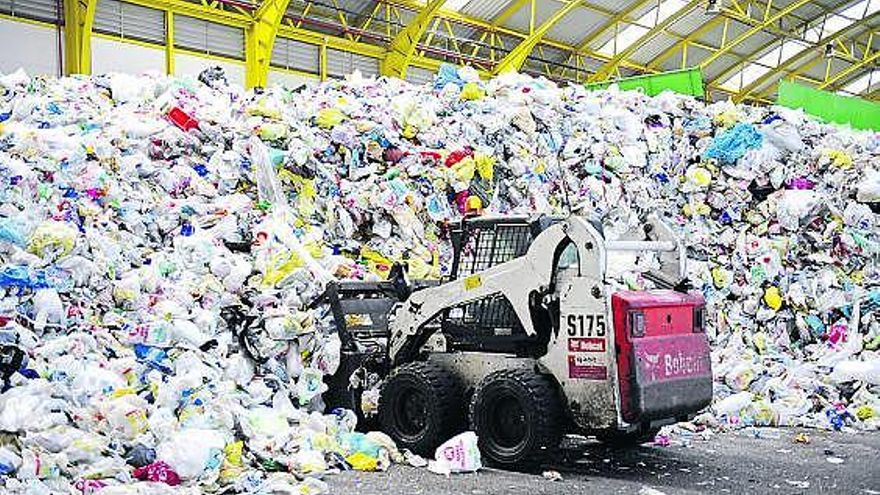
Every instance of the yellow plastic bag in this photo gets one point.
(232, 464)
(305, 189)
(376, 263)
(721, 277)
(328, 118)
(839, 158)
(699, 208)
(773, 298)
(472, 91)
(362, 462)
(273, 131)
(699, 176)
(52, 237)
(865, 412)
(409, 132)
(485, 165)
(282, 266)
(465, 169)
(262, 109)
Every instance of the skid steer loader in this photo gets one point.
(526, 341)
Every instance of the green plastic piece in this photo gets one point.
(686, 81)
(830, 107)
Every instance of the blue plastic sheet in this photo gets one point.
(10, 232)
(447, 73)
(733, 144)
(24, 277)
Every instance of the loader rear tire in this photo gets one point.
(420, 406)
(517, 416)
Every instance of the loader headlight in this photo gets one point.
(637, 323)
(699, 319)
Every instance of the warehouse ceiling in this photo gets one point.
(743, 47)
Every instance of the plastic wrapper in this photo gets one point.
(459, 454)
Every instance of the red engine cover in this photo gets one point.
(666, 372)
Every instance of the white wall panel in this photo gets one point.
(191, 65)
(288, 79)
(118, 56)
(32, 47)
(418, 75)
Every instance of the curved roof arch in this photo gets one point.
(743, 46)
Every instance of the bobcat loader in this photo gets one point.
(526, 341)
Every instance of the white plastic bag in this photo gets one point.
(190, 452)
(459, 454)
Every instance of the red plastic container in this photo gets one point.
(182, 119)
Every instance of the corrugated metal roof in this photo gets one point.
(575, 26)
(485, 9)
(716, 67)
(613, 5)
(580, 24)
(691, 21)
(543, 11)
(649, 51)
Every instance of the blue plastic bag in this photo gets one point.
(447, 73)
(733, 144)
(10, 231)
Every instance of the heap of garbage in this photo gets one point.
(143, 219)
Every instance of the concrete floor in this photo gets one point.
(734, 463)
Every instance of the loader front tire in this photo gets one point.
(420, 406)
(518, 418)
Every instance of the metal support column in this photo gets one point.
(259, 39)
(79, 15)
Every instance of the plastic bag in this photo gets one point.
(459, 454)
(191, 452)
(733, 144)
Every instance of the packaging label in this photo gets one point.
(472, 282)
(587, 367)
(588, 344)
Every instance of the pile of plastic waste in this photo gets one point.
(146, 221)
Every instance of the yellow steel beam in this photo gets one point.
(198, 11)
(754, 54)
(841, 76)
(79, 15)
(259, 39)
(621, 16)
(818, 48)
(169, 42)
(487, 25)
(514, 60)
(403, 46)
(768, 21)
(611, 66)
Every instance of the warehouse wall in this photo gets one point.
(30, 46)
(289, 79)
(118, 56)
(190, 65)
(130, 38)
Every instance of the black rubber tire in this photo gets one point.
(518, 418)
(420, 406)
(628, 440)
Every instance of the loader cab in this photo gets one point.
(491, 324)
